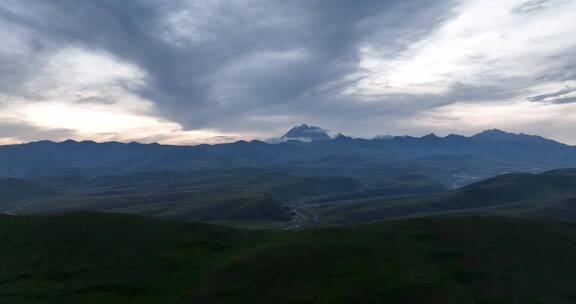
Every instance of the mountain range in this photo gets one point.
(294, 183)
(454, 160)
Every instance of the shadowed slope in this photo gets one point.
(106, 258)
(551, 193)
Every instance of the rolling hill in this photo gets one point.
(14, 189)
(114, 258)
(244, 196)
(551, 193)
(265, 198)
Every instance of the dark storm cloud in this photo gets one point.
(552, 96)
(216, 63)
(564, 100)
(259, 66)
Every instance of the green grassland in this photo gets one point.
(232, 196)
(550, 194)
(260, 198)
(118, 258)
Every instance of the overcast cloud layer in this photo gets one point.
(178, 71)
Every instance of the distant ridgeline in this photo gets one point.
(310, 147)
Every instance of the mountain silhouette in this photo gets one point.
(307, 133)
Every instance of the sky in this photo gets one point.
(211, 71)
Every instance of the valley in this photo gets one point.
(294, 182)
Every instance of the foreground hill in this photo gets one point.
(111, 258)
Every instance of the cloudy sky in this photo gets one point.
(190, 71)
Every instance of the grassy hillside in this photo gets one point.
(238, 195)
(268, 198)
(111, 258)
(105, 258)
(12, 189)
(551, 193)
